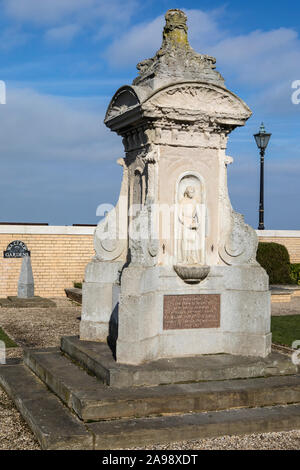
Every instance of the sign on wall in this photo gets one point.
(16, 249)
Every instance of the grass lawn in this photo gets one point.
(286, 329)
(9, 343)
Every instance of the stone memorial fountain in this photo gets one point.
(175, 328)
(175, 272)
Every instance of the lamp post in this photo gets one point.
(262, 140)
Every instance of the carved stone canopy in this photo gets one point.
(182, 101)
(177, 85)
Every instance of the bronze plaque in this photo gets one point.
(185, 312)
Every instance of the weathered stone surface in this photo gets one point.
(26, 281)
(53, 425)
(98, 302)
(174, 230)
(74, 294)
(139, 432)
(57, 428)
(98, 359)
(94, 401)
(176, 60)
(61, 375)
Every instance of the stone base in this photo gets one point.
(67, 407)
(130, 312)
(34, 302)
(98, 359)
(74, 294)
(249, 344)
(100, 295)
(239, 323)
(25, 291)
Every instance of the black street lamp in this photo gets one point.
(262, 140)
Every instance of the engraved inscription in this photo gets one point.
(184, 312)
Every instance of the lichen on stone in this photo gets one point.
(176, 59)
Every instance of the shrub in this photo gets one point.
(295, 272)
(77, 285)
(275, 259)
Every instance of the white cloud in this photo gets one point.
(260, 57)
(12, 37)
(44, 11)
(276, 99)
(144, 39)
(38, 127)
(204, 28)
(60, 17)
(265, 62)
(63, 34)
(140, 42)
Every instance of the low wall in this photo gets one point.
(290, 239)
(59, 256)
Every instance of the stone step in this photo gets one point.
(97, 359)
(93, 401)
(123, 434)
(74, 294)
(56, 428)
(52, 423)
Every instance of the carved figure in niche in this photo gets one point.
(189, 246)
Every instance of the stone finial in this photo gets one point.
(176, 60)
(175, 30)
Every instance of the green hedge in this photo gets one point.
(275, 259)
(295, 272)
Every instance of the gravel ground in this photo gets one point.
(34, 328)
(44, 327)
(270, 441)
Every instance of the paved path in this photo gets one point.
(288, 308)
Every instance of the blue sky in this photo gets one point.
(62, 60)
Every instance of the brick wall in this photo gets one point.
(59, 256)
(290, 239)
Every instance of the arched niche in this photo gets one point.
(190, 220)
